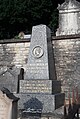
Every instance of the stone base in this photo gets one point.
(39, 103)
(40, 86)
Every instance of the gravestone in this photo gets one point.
(69, 18)
(40, 84)
(8, 105)
(8, 79)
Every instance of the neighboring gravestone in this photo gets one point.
(8, 105)
(69, 18)
(39, 92)
(8, 79)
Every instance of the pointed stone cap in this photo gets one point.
(69, 4)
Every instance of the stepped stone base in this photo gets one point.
(40, 86)
(39, 103)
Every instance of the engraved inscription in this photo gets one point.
(36, 70)
(36, 86)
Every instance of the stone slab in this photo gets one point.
(40, 103)
(40, 86)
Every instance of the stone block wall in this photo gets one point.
(13, 53)
(67, 60)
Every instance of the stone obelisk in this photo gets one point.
(41, 60)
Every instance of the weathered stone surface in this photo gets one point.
(57, 114)
(69, 18)
(40, 86)
(8, 79)
(8, 105)
(40, 63)
(40, 102)
(39, 91)
(13, 53)
(67, 59)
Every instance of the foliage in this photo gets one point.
(21, 15)
(54, 21)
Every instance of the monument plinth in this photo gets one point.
(40, 85)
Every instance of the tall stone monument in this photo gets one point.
(40, 91)
(41, 61)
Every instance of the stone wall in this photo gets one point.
(66, 52)
(67, 60)
(13, 52)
